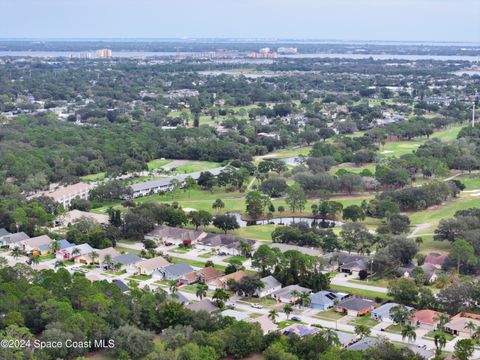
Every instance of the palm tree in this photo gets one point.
(173, 286)
(220, 296)
(108, 260)
(418, 240)
(245, 248)
(93, 256)
(59, 264)
(201, 291)
(440, 340)
(75, 252)
(470, 326)
(330, 336)
(362, 331)
(54, 246)
(272, 315)
(399, 314)
(218, 204)
(287, 309)
(34, 260)
(16, 252)
(294, 294)
(408, 331)
(442, 319)
(304, 299)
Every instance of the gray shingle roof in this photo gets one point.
(126, 259)
(178, 269)
(204, 305)
(3, 232)
(14, 238)
(270, 282)
(356, 304)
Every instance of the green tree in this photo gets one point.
(273, 315)
(287, 309)
(201, 291)
(362, 331)
(463, 253)
(408, 331)
(464, 349)
(296, 199)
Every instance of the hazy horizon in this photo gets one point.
(343, 20)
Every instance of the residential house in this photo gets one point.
(46, 249)
(284, 295)
(102, 253)
(203, 275)
(149, 266)
(425, 319)
(79, 253)
(353, 264)
(224, 244)
(174, 271)
(459, 324)
(406, 270)
(127, 261)
(11, 240)
(265, 323)
(74, 215)
(430, 270)
(344, 338)
(221, 282)
(32, 244)
(270, 285)
(174, 235)
(382, 313)
(324, 300)
(355, 306)
(203, 305)
(436, 259)
(179, 298)
(363, 344)
(300, 330)
(4, 232)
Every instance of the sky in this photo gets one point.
(394, 20)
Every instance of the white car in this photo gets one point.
(257, 306)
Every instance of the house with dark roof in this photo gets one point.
(11, 240)
(355, 306)
(300, 330)
(127, 261)
(324, 300)
(121, 285)
(179, 298)
(270, 285)
(348, 263)
(173, 271)
(363, 344)
(431, 271)
(4, 232)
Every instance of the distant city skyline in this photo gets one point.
(355, 20)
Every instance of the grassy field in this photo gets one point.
(447, 134)
(157, 163)
(265, 301)
(471, 183)
(399, 148)
(94, 177)
(236, 258)
(286, 153)
(194, 166)
(194, 263)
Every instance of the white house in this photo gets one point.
(270, 285)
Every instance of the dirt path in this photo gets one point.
(418, 229)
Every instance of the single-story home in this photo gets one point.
(173, 271)
(300, 330)
(270, 285)
(237, 315)
(203, 305)
(324, 300)
(221, 282)
(203, 275)
(458, 325)
(174, 235)
(149, 266)
(227, 244)
(355, 306)
(62, 244)
(344, 338)
(435, 259)
(102, 253)
(363, 344)
(284, 295)
(79, 253)
(430, 270)
(425, 319)
(349, 263)
(4, 232)
(179, 298)
(72, 216)
(32, 244)
(382, 313)
(11, 240)
(127, 261)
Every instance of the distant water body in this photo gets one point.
(152, 54)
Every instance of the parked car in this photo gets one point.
(257, 306)
(296, 318)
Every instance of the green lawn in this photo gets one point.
(471, 183)
(394, 329)
(194, 166)
(361, 292)
(330, 315)
(430, 334)
(46, 257)
(141, 277)
(364, 320)
(127, 250)
(265, 301)
(371, 282)
(236, 258)
(286, 153)
(448, 134)
(157, 163)
(284, 324)
(180, 250)
(94, 177)
(194, 263)
(399, 148)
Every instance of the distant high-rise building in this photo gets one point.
(287, 50)
(104, 53)
(264, 50)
